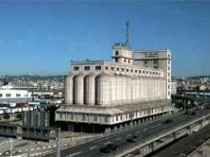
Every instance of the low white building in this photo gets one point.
(135, 84)
(10, 94)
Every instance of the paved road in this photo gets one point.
(189, 142)
(93, 148)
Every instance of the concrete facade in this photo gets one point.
(124, 81)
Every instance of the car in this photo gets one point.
(112, 146)
(167, 121)
(109, 148)
(133, 138)
(105, 150)
(192, 113)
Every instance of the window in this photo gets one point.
(76, 68)
(87, 68)
(116, 59)
(98, 67)
(140, 71)
(155, 66)
(83, 117)
(1, 95)
(116, 53)
(155, 61)
(128, 60)
(106, 67)
(131, 70)
(17, 95)
(145, 61)
(112, 68)
(122, 69)
(127, 70)
(105, 118)
(117, 69)
(135, 71)
(95, 117)
(124, 60)
(8, 95)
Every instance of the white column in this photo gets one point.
(90, 89)
(124, 97)
(128, 89)
(69, 89)
(105, 93)
(79, 89)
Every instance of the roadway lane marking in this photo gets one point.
(99, 140)
(118, 139)
(106, 143)
(77, 153)
(145, 129)
(93, 147)
(128, 135)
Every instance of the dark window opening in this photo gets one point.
(116, 53)
(98, 67)
(76, 68)
(87, 68)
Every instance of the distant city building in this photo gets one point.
(134, 85)
(10, 94)
(173, 87)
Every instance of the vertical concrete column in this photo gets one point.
(105, 92)
(89, 93)
(113, 90)
(79, 89)
(155, 88)
(117, 84)
(69, 89)
(124, 100)
(128, 89)
(137, 90)
(141, 88)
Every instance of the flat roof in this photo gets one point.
(112, 110)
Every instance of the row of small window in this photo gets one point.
(9, 95)
(125, 60)
(83, 117)
(145, 112)
(76, 68)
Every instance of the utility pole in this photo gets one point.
(58, 151)
(11, 147)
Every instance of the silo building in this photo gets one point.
(132, 88)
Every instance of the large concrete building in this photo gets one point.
(104, 95)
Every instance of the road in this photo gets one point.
(143, 132)
(189, 143)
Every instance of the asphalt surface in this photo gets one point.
(143, 132)
(190, 143)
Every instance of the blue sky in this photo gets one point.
(43, 36)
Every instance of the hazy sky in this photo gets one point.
(43, 36)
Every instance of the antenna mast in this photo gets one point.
(127, 34)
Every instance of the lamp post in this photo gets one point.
(58, 153)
